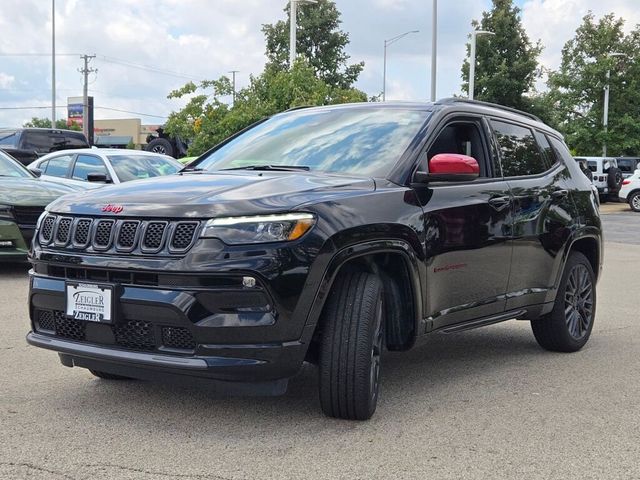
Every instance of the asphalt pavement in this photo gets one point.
(487, 403)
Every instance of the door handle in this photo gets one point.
(560, 193)
(500, 203)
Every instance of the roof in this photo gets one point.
(102, 152)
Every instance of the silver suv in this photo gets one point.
(605, 175)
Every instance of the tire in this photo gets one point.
(568, 327)
(107, 376)
(614, 179)
(634, 201)
(160, 145)
(351, 346)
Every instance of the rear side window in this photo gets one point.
(58, 166)
(75, 141)
(41, 142)
(627, 165)
(562, 151)
(86, 164)
(519, 151)
(548, 156)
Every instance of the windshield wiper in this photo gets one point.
(283, 168)
(191, 169)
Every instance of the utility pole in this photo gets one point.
(85, 92)
(53, 63)
(434, 49)
(472, 60)
(233, 81)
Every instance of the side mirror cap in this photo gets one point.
(449, 167)
(98, 178)
(37, 172)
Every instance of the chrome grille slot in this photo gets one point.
(154, 236)
(102, 234)
(63, 230)
(81, 232)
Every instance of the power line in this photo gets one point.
(40, 107)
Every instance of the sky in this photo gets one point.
(146, 48)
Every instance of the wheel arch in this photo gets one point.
(590, 246)
(398, 266)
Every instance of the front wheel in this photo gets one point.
(352, 342)
(634, 201)
(568, 327)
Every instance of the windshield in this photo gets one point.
(365, 141)
(8, 138)
(11, 168)
(136, 167)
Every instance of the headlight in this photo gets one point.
(259, 228)
(6, 212)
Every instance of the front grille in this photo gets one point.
(127, 234)
(183, 235)
(47, 228)
(102, 236)
(67, 327)
(153, 235)
(27, 215)
(108, 235)
(81, 234)
(46, 321)
(135, 334)
(177, 337)
(62, 233)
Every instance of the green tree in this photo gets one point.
(61, 123)
(319, 41)
(506, 63)
(576, 89)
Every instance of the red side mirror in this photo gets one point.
(452, 164)
(449, 167)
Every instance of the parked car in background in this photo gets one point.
(28, 144)
(628, 165)
(606, 176)
(630, 191)
(85, 167)
(23, 197)
(161, 142)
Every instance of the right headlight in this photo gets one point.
(259, 228)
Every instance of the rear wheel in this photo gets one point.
(351, 347)
(634, 201)
(568, 327)
(108, 376)
(160, 145)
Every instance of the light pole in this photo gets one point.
(434, 49)
(233, 83)
(472, 60)
(53, 63)
(293, 11)
(384, 67)
(605, 113)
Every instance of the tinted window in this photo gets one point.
(627, 165)
(58, 166)
(75, 141)
(41, 142)
(10, 168)
(86, 164)
(364, 141)
(548, 156)
(463, 138)
(562, 151)
(136, 167)
(9, 139)
(519, 151)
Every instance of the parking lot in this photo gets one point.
(486, 403)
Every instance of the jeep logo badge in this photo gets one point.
(112, 208)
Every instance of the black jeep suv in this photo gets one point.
(323, 234)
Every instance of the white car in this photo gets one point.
(94, 167)
(605, 175)
(630, 191)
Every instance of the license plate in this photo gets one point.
(89, 302)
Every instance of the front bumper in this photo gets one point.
(13, 244)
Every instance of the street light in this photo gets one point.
(384, 68)
(293, 4)
(605, 114)
(472, 60)
(53, 63)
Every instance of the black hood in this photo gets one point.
(205, 195)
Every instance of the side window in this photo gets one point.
(562, 151)
(73, 141)
(86, 164)
(461, 137)
(58, 166)
(547, 152)
(41, 142)
(519, 151)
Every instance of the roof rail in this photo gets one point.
(299, 107)
(492, 105)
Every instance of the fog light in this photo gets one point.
(6, 243)
(248, 282)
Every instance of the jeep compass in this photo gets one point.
(322, 235)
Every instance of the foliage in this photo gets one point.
(319, 41)
(131, 145)
(576, 90)
(319, 76)
(61, 123)
(506, 63)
